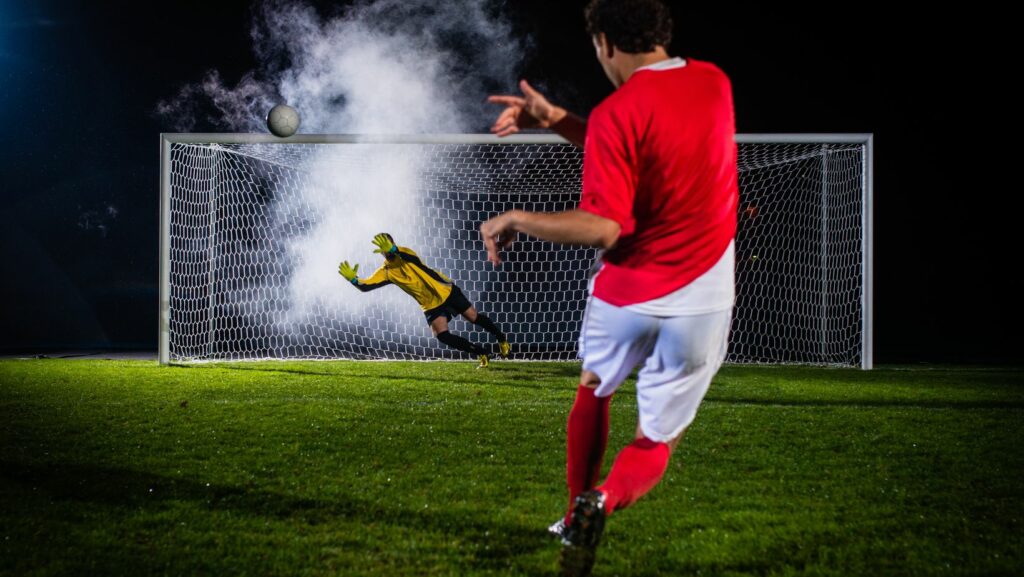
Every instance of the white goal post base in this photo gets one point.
(252, 228)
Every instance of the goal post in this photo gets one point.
(252, 228)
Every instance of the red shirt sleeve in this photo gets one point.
(609, 170)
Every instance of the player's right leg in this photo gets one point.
(670, 388)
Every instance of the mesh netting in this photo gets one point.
(257, 231)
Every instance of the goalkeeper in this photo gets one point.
(440, 298)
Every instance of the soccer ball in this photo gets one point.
(283, 120)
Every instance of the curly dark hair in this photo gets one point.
(632, 26)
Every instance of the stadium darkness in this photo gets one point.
(80, 151)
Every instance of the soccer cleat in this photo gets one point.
(581, 537)
(504, 348)
(484, 362)
(557, 528)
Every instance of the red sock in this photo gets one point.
(586, 438)
(636, 470)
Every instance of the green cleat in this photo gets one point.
(504, 348)
(484, 362)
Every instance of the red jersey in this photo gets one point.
(660, 160)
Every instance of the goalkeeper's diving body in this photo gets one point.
(440, 298)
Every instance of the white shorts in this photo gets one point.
(680, 354)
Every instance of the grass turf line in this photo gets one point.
(397, 468)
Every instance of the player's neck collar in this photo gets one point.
(668, 64)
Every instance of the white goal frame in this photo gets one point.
(167, 140)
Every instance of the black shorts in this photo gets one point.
(455, 304)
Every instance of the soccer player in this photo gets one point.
(440, 298)
(659, 197)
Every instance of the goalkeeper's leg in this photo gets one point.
(457, 342)
(483, 321)
(440, 328)
(458, 302)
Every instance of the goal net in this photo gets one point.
(253, 229)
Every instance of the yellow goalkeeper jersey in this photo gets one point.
(429, 287)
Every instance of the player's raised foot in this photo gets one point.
(504, 348)
(484, 362)
(557, 528)
(581, 538)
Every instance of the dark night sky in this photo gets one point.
(80, 158)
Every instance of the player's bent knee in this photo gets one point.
(439, 325)
(645, 443)
(590, 379)
(675, 441)
(670, 442)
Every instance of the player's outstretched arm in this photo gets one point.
(351, 274)
(532, 110)
(384, 244)
(576, 227)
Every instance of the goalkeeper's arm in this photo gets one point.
(373, 282)
(415, 260)
(385, 246)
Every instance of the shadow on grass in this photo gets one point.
(1001, 377)
(501, 542)
(286, 370)
(519, 373)
(522, 371)
(869, 403)
(540, 368)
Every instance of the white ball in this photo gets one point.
(283, 120)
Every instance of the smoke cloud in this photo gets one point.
(382, 67)
(377, 67)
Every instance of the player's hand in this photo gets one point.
(383, 244)
(351, 273)
(498, 234)
(531, 110)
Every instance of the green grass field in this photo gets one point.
(392, 468)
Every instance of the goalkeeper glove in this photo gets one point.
(351, 273)
(384, 245)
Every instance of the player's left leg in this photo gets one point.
(670, 388)
(586, 437)
(613, 340)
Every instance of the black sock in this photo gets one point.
(485, 322)
(457, 342)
